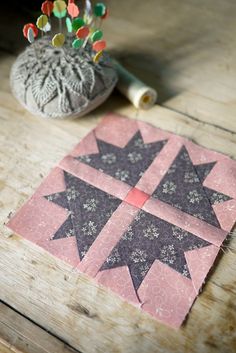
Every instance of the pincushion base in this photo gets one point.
(61, 82)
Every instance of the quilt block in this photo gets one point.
(141, 210)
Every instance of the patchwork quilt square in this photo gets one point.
(141, 210)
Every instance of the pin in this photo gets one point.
(97, 35)
(83, 29)
(69, 25)
(42, 21)
(26, 29)
(60, 14)
(58, 40)
(77, 43)
(30, 32)
(47, 28)
(77, 23)
(82, 32)
(59, 11)
(106, 14)
(99, 45)
(99, 9)
(88, 7)
(59, 6)
(47, 7)
(73, 10)
(97, 57)
(30, 35)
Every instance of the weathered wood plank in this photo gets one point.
(186, 51)
(17, 334)
(5, 347)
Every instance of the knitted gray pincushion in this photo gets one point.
(61, 82)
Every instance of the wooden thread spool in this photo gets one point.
(138, 93)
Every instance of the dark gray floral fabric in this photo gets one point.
(89, 208)
(148, 239)
(182, 188)
(126, 164)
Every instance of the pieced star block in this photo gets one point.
(148, 239)
(126, 164)
(89, 209)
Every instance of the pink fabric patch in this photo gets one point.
(87, 145)
(158, 276)
(38, 219)
(226, 213)
(116, 131)
(151, 133)
(199, 263)
(200, 155)
(223, 178)
(136, 197)
(166, 294)
(65, 249)
(122, 283)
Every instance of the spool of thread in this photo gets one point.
(141, 95)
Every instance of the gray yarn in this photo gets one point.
(61, 82)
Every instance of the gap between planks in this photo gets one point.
(19, 334)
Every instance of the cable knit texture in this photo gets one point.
(61, 82)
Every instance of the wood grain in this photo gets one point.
(187, 52)
(20, 335)
(73, 307)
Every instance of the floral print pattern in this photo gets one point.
(182, 187)
(113, 258)
(109, 158)
(89, 228)
(125, 164)
(194, 196)
(179, 233)
(90, 205)
(169, 187)
(128, 235)
(82, 201)
(190, 177)
(138, 255)
(147, 239)
(122, 175)
(151, 232)
(134, 157)
(168, 254)
(217, 197)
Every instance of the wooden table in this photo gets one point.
(186, 50)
